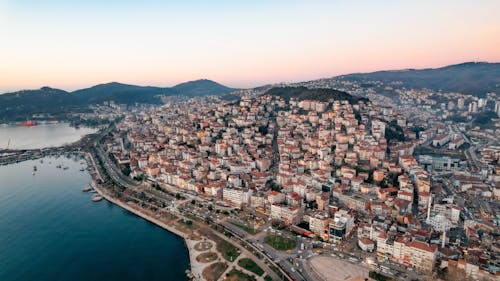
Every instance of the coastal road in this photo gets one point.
(118, 178)
(259, 262)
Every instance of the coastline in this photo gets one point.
(188, 242)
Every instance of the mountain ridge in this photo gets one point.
(22, 104)
(476, 78)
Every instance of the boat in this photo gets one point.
(58, 166)
(29, 123)
(35, 168)
(82, 169)
(65, 168)
(96, 197)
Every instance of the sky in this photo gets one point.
(75, 44)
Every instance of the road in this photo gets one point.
(118, 178)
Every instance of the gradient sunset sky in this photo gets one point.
(75, 44)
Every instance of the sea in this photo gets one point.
(40, 136)
(51, 230)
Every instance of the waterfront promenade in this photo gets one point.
(189, 242)
(197, 268)
(106, 179)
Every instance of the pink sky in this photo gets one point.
(240, 45)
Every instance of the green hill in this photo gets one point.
(201, 87)
(121, 93)
(23, 104)
(476, 78)
(303, 93)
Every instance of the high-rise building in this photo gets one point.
(473, 107)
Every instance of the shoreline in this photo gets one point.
(189, 243)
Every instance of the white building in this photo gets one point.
(237, 196)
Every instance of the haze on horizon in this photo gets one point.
(76, 44)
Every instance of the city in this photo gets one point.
(250, 140)
(303, 182)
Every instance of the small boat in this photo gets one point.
(58, 166)
(34, 168)
(82, 170)
(65, 168)
(96, 197)
(29, 123)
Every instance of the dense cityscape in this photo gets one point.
(250, 140)
(401, 186)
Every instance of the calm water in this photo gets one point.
(43, 135)
(51, 230)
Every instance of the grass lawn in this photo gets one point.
(206, 257)
(247, 229)
(280, 243)
(214, 271)
(236, 275)
(228, 250)
(277, 271)
(268, 278)
(250, 265)
(190, 216)
(188, 223)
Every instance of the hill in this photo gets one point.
(303, 93)
(121, 93)
(201, 87)
(477, 78)
(44, 100)
(22, 105)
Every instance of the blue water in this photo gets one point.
(43, 135)
(51, 230)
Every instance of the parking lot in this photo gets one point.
(334, 269)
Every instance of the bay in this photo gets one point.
(51, 230)
(40, 136)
